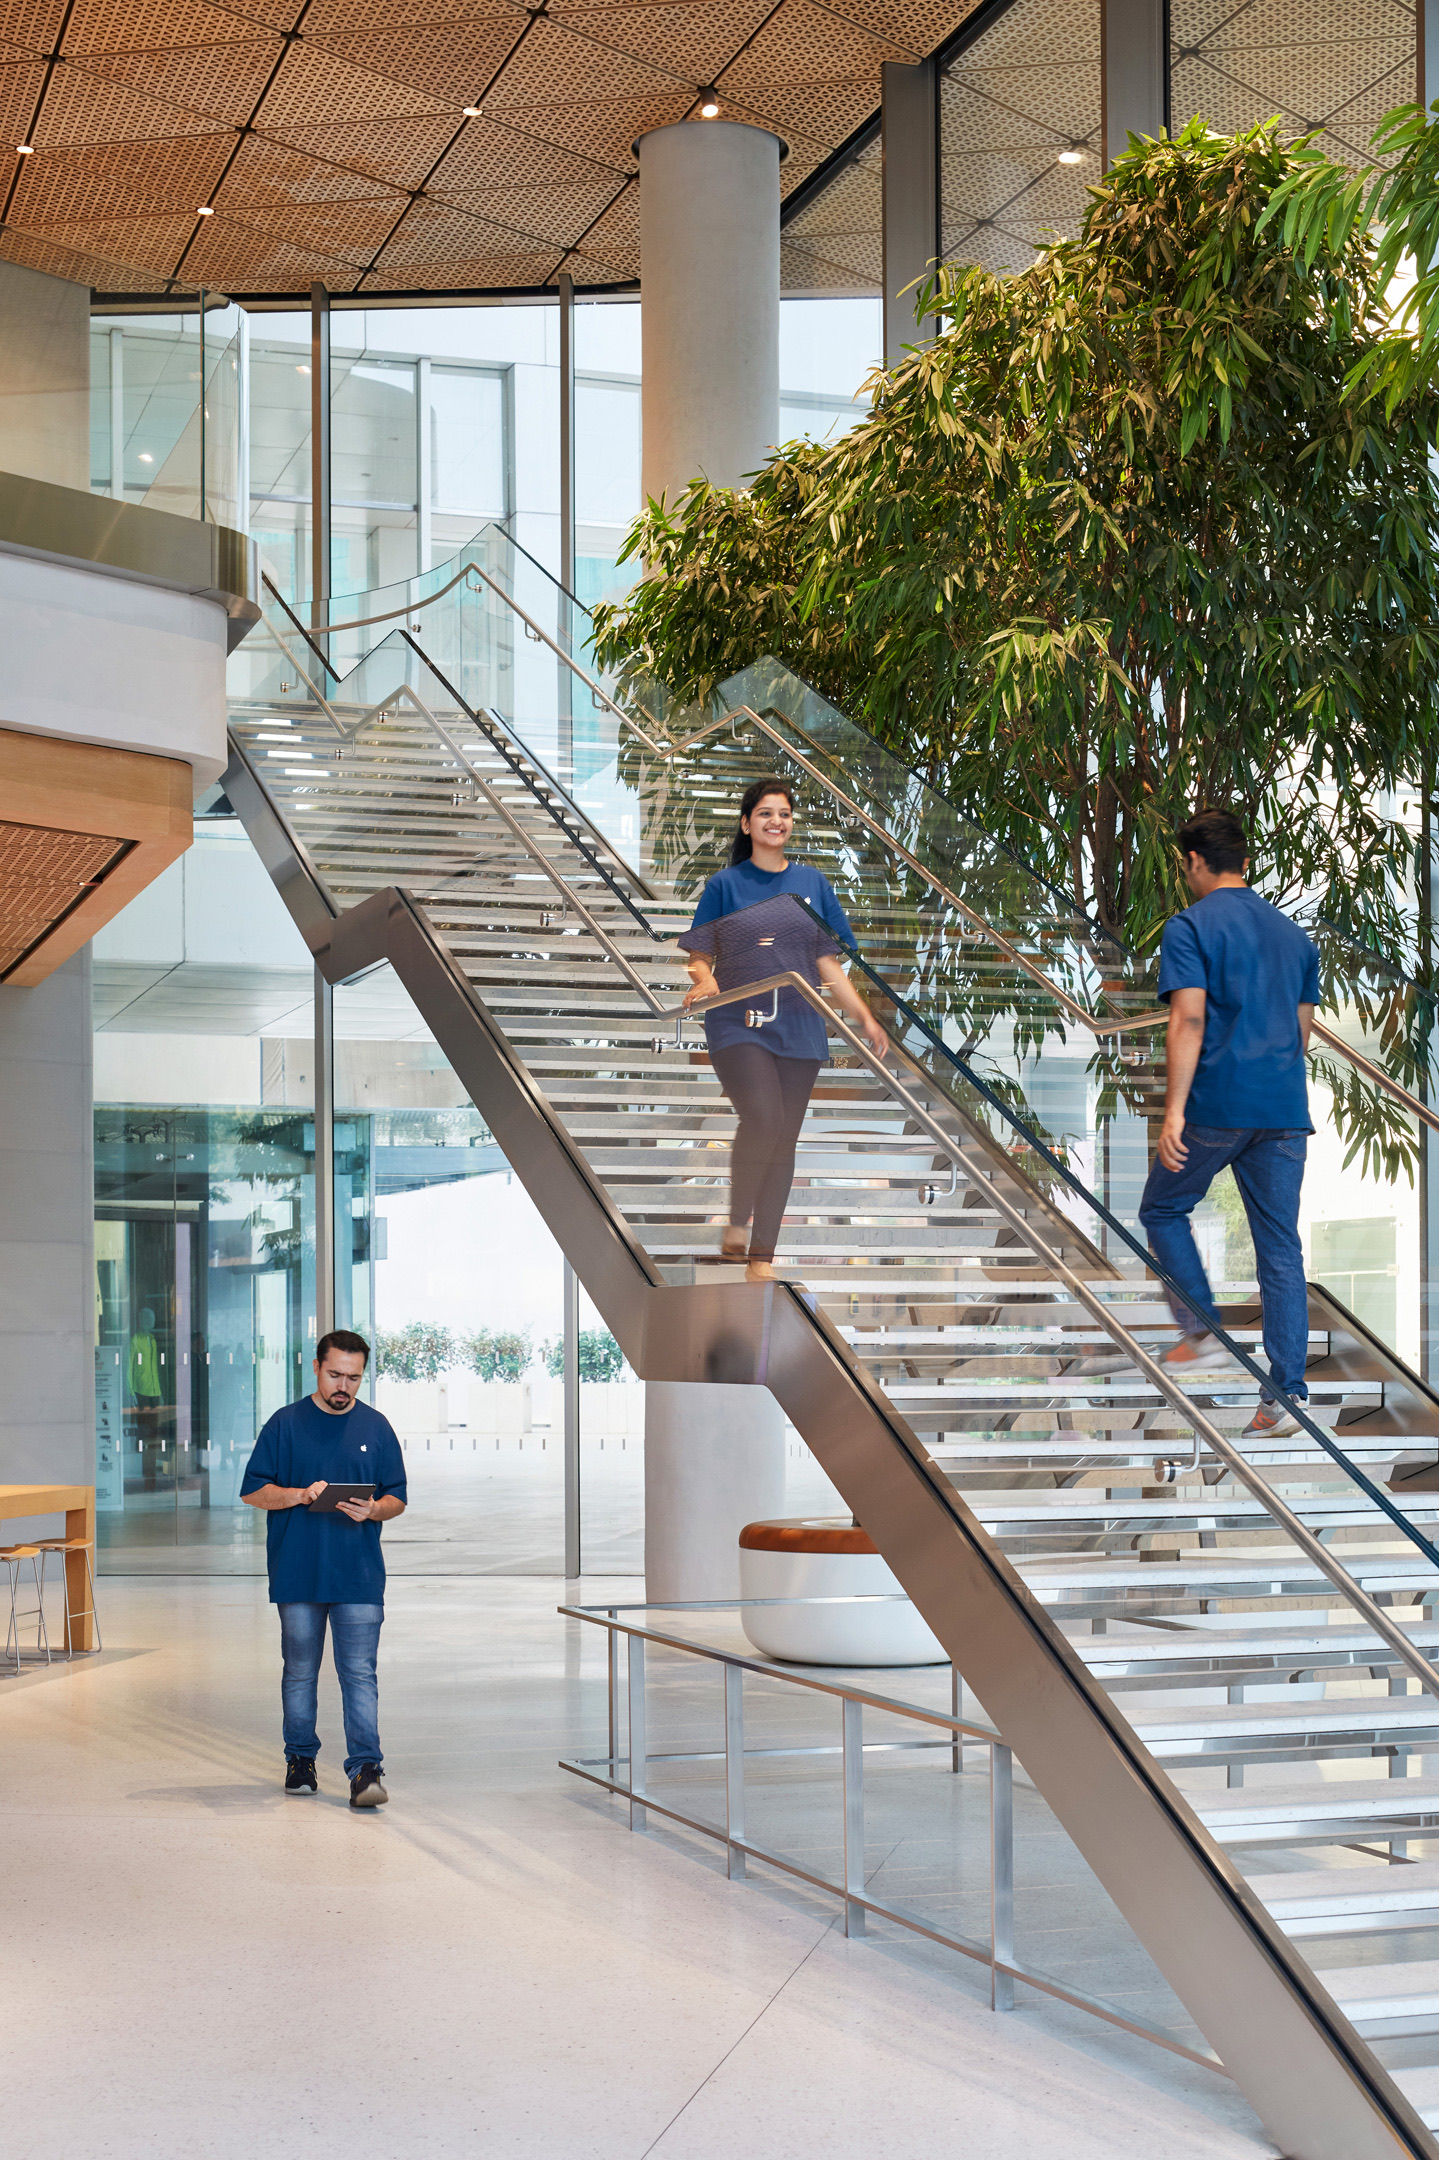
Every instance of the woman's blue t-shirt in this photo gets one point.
(790, 940)
(325, 1559)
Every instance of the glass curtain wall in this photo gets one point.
(154, 439)
(204, 1201)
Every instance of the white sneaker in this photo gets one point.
(1271, 1421)
(1196, 1354)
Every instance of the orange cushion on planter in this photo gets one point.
(800, 1536)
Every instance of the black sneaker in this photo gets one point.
(365, 1787)
(300, 1774)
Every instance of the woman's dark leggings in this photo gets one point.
(771, 1095)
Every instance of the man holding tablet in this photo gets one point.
(328, 1471)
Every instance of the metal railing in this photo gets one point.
(980, 927)
(634, 1758)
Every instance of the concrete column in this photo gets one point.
(47, 1240)
(714, 1461)
(911, 197)
(44, 377)
(709, 299)
(1134, 43)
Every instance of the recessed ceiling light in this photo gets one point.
(1071, 157)
(204, 210)
(24, 149)
(302, 369)
(709, 104)
(145, 458)
(472, 112)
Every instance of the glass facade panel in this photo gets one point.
(151, 440)
(446, 1265)
(204, 1202)
(467, 442)
(1019, 133)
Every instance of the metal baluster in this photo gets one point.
(1001, 1874)
(612, 1657)
(853, 1816)
(637, 1730)
(956, 1752)
(734, 1767)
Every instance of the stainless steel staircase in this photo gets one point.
(1083, 1545)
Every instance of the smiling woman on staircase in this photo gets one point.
(767, 1057)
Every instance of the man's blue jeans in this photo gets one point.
(1269, 1170)
(355, 1633)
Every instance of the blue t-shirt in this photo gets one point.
(325, 1559)
(784, 938)
(1256, 968)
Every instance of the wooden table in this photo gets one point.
(77, 1504)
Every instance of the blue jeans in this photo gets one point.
(1269, 1170)
(355, 1631)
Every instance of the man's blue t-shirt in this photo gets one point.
(786, 939)
(325, 1559)
(1256, 968)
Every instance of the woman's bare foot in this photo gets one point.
(760, 1271)
(735, 1245)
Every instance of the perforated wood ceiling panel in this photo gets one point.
(352, 114)
(1338, 68)
(1028, 88)
(43, 874)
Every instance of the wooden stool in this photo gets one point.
(65, 1546)
(12, 1556)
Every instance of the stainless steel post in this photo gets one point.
(637, 1730)
(324, 1156)
(909, 105)
(242, 412)
(117, 415)
(319, 460)
(567, 431)
(956, 1696)
(853, 1816)
(1001, 1874)
(424, 470)
(573, 1549)
(734, 1767)
(203, 444)
(1134, 72)
(565, 626)
(612, 1664)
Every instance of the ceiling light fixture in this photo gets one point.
(1072, 156)
(146, 458)
(204, 210)
(709, 104)
(24, 149)
(472, 112)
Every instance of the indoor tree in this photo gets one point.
(1134, 533)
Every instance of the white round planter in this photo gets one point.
(828, 1559)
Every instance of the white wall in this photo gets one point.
(47, 1269)
(44, 377)
(100, 659)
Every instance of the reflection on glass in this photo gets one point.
(204, 1302)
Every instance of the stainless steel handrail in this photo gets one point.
(1238, 1464)
(1139, 1022)
(954, 1732)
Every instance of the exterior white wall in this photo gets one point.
(47, 1265)
(100, 659)
(44, 377)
